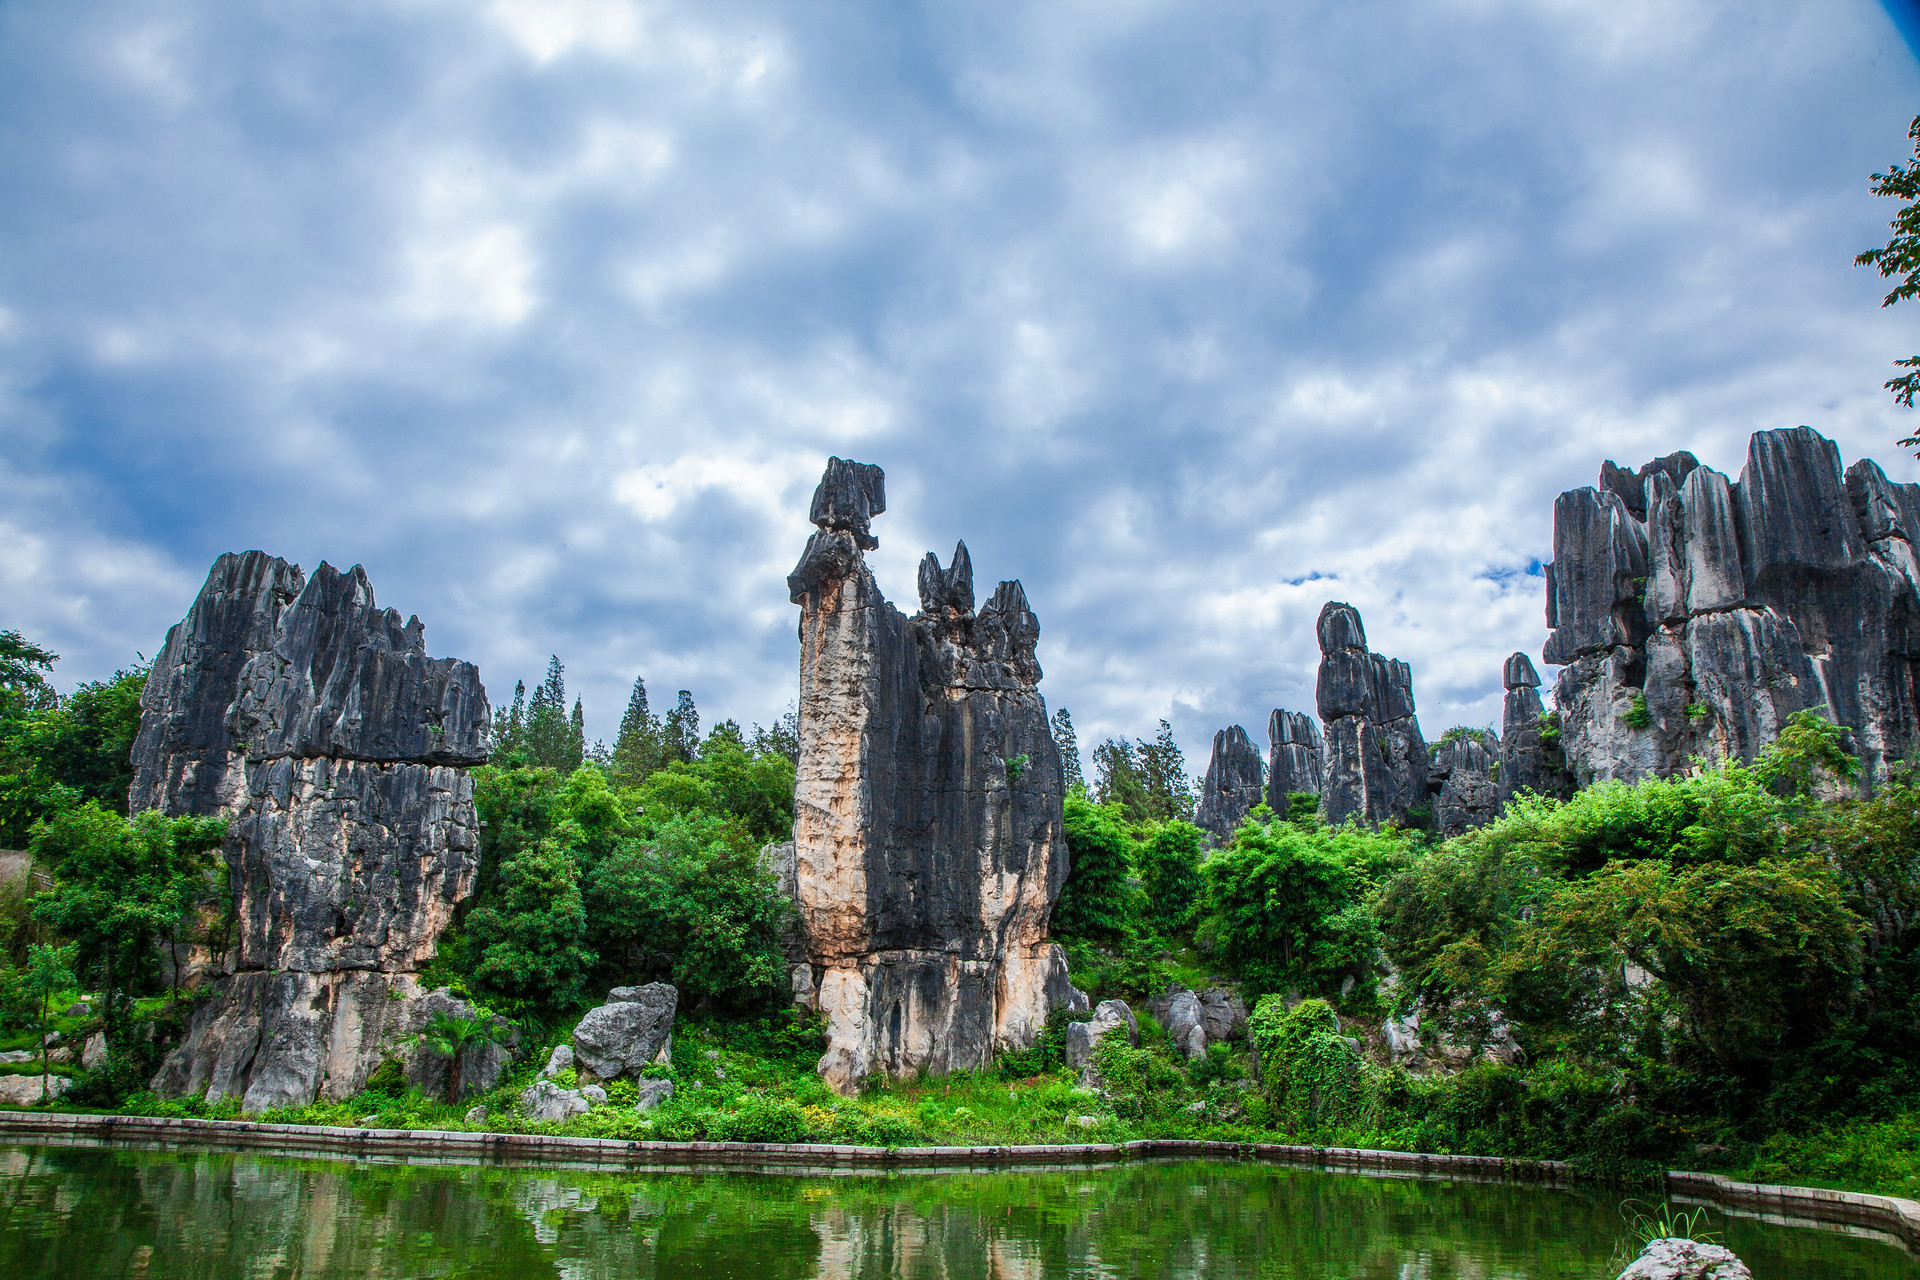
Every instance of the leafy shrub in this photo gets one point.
(1142, 1085)
(761, 1119)
(1097, 900)
(1313, 1077)
(1169, 863)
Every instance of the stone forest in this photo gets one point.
(301, 873)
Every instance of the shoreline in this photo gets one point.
(1899, 1218)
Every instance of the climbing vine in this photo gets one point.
(1314, 1078)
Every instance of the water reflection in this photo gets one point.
(77, 1211)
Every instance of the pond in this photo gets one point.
(83, 1211)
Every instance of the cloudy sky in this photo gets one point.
(1191, 316)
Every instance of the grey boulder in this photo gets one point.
(623, 1036)
(1225, 1013)
(1108, 1016)
(559, 1060)
(1677, 1259)
(652, 1093)
(547, 1103)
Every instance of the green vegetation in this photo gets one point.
(1638, 717)
(1899, 259)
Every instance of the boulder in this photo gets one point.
(93, 1054)
(1108, 1016)
(651, 1093)
(547, 1103)
(1293, 757)
(26, 1091)
(338, 751)
(1677, 1259)
(1224, 1012)
(1235, 782)
(1185, 1023)
(928, 828)
(557, 1062)
(476, 1115)
(79, 1009)
(594, 1094)
(622, 1037)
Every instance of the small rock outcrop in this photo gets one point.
(1108, 1016)
(544, 1102)
(1225, 1013)
(1235, 783)
(1463, 767)
(1692, 615)
(1677, 1259)
(1293, 758)
(338, 751)
(1376, 760)
(928, 830)
(1181, 1015)
(626, 1034)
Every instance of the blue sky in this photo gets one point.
(1190, 316)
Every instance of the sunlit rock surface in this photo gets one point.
(1692, 615)
(928, 832)
(338, 751)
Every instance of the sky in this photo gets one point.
(1192, 317)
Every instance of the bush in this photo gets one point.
(1313, 1077)
(761, 1119)
(1097, 901)
(1169, 863)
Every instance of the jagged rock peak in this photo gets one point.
(1631, 486)
(1339, 627)
(1375, 761)
(948, 592)
(346, 679)
(1294, 757)
(1292, 728)
(1233, 785)
(849, 495)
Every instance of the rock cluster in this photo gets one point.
(633, 1029)
(928, 830)
(1375, 759)
(1108, 1016)
(1293, 758)
(1235, 783)
(1461, 774)
(1674, 1258)
(1195, 1021)
(1692, 615)
(338, 750)
(1527, 761)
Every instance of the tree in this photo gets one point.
(23, 678)
(1069, 744)
(529, 939)
(119, 885)
(1169, 862)
(1900, 257)
(1147, 779)
(1287, 908)
(49, 972)
(452, 1036)
(682, 729)
(638, 750)
(783, 739)
(56, 753)
(510, 724)
(553, 738)
(1098, 900)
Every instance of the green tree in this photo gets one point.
(783, 739)
(1147, 779)
(1287, 906)
(453, 1037)
(1168, 857)
(1899, 259)
(510, 725)
(24, 666)
(1068, 743)
(120, 885)
(529, 939)
(1098, 900)
(681, 731)
(57, 752)
(553, 738)
(49, 972)
(639, 749)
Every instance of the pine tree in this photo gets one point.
(510, 723)
(682, 730)
(783, 739)
(1069, 744)
(1164, 771)
(637, 751)
(576, 738)
(550, 736)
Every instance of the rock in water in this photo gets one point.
(1293, 759)
(1235, 782)
(1376, 760)
(928, 832)
(314, 720)
(1677, 1259)
(1692, 615)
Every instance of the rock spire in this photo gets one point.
(928, 831)
(1375, 760)
(1235, 783)
(1294, 764)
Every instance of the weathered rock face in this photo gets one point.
(1527, 762)
(1235, 783)
(621, 1037)
(1293, 757)
(1376, 760)
(1678, 1259)
(1462, 776)
(1693, 615)
(1108, 1017)
(928, 830)
(337, 749)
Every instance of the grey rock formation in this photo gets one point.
(545, 1102)
(1235, 783)
(1461, 773)
(1294, 764)
(1527, 761)
(557, 1062)
(1182, 1017)
(1225, 1013)
(32, 1091)
(1109, 1016)
(314, 721)
(928, 831)
(1693, 618)
(93, 1054)
(594, 1094)
(1677, 1259)
(1375, 759)
(630, 1031)
(651, 1093)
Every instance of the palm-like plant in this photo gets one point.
(451, 1035)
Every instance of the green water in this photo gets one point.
(75, 1211)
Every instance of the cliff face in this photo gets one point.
(1234, 784)
(338, 750)
(1376, 761)
(1293, 757)
(928, 831)
(1692, 615)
